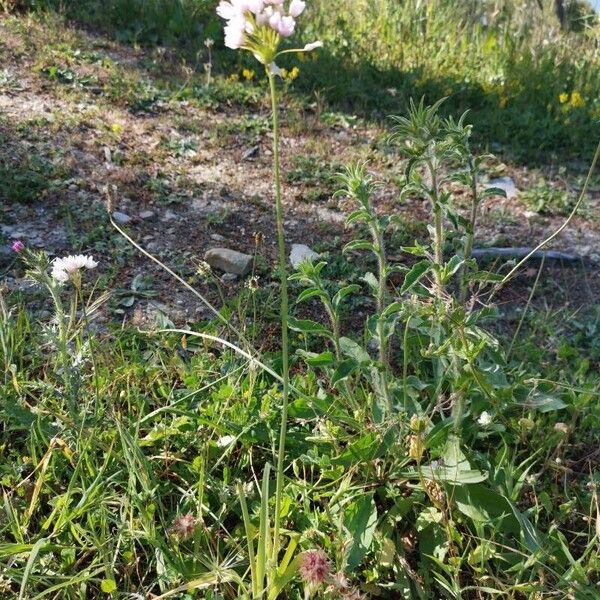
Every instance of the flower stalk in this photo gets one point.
(284, 312)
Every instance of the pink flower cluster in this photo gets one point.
(244, 16)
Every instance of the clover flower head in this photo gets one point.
(65, 268)
(184, 526)
(314, 567)
(485, 419)
(18, 246)
(260, 25)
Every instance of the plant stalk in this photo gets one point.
(284, 316)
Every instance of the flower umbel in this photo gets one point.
(65, 268)
(259, 26)
(314, 567)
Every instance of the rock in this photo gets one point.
(300, 253)
(504, 183)
(229, 261)
(120, 218)
(146, 214)
(169, 215)
(229, 278)
(215, 237)
(251, 153)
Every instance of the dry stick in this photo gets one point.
(194, 291)
(558, 231)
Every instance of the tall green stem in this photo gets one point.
(383, 355)
(470, 231)
(284, 315)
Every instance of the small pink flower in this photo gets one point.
(18, 246)
(184, 526)
(286, 26)
(297, 8)
(314, 566)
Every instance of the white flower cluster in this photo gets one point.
(64, 268)
(244, 16)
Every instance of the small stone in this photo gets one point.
(147, 214)
(121, 218)
(229, 278)
(251, 153)
(504, 183)
(169, 216)
(229, 261)
(215, 237)
(300, 253)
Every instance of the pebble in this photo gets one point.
(505, 183)
(121, 218)
(229, 261)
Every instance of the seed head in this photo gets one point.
(314, 566)
(184, 526)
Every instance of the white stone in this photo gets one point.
(229, 261)
(505, 183)
(300, 253)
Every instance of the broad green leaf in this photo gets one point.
(361, 521)
(354, 350)
(543, 402)
(317, 360)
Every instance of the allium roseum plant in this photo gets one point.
(259, 27)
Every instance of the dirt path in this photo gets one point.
(79, 114)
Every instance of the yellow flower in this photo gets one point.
(234, 77)
(284, 73)
(293, 73)
(248, 74)
(563, 98)
(576, 100)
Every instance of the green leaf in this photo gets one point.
(344, 370)
(358, 245)
(543, 402)
(310, 293)
(317, 360)
(371, 280)
(361, 521)
(345, 291)
(353, 350)
(308, 326)
(414, 275)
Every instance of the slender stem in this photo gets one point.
(470, 231)
(284, 315)
(438, 242)
(383, 355)
(582, 195)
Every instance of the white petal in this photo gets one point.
(297, 8)
(312, 46)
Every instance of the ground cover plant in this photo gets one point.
(368, 423)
